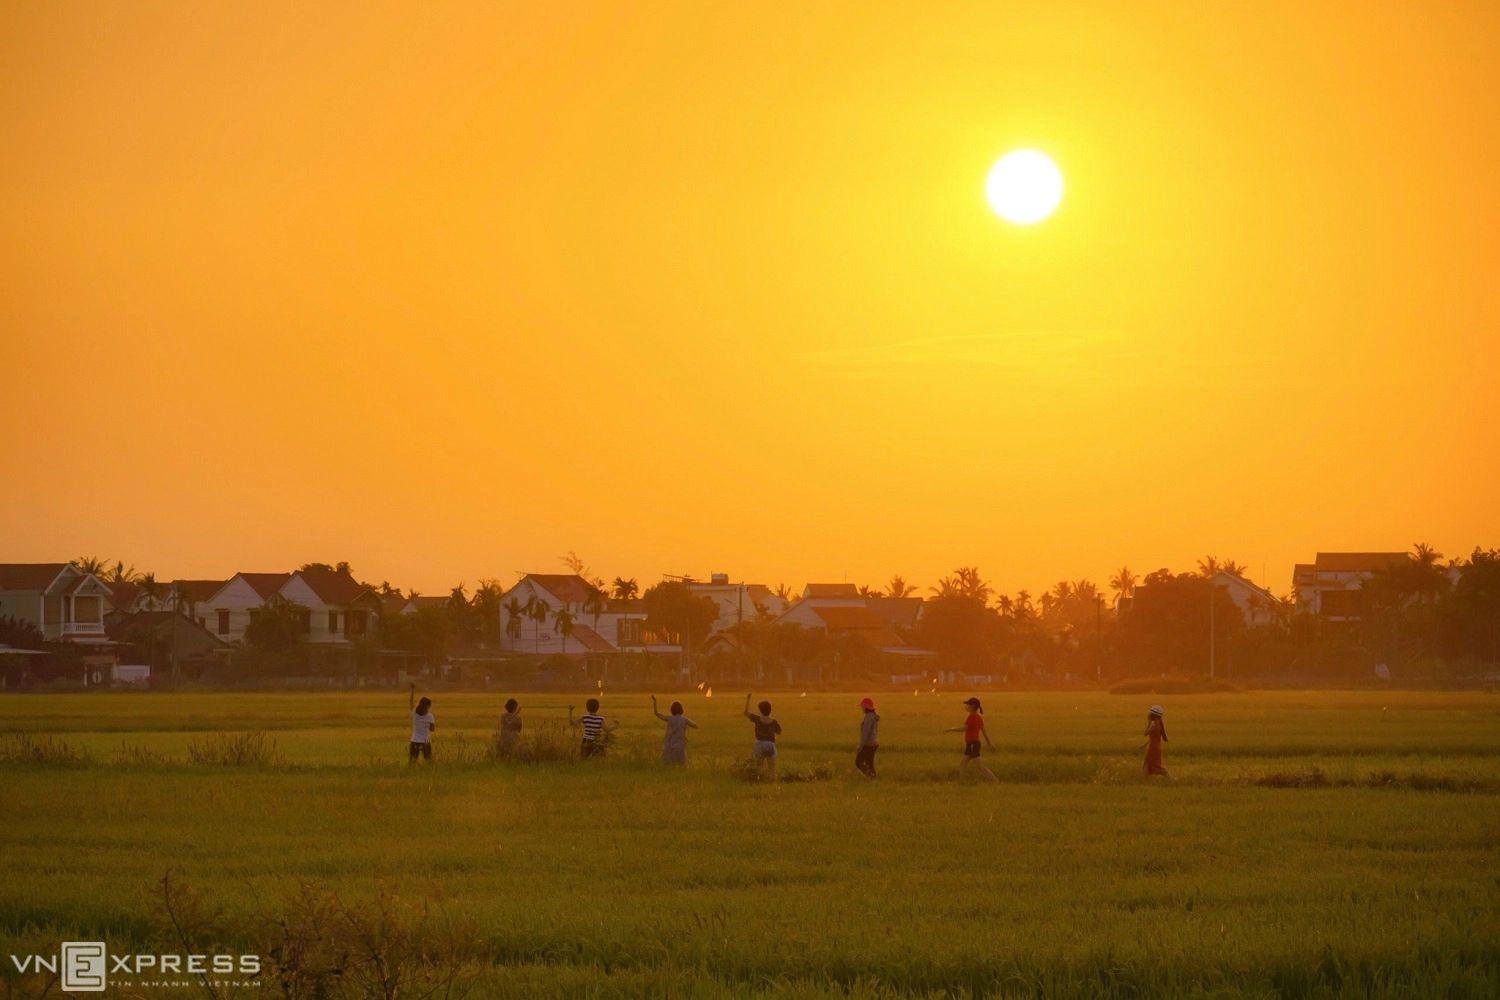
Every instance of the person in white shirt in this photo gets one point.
(422, 725)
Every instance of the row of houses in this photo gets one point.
(65, 602)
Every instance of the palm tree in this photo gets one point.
(150, 590)
(516, 611)
(898, 587)
(596, 604)
(122, 573)
(562, 624)
(537, 611)
(1237, 568)
(1123, 582)
(1209, 566)
(90, 564)
(965, 582)
(625, 590)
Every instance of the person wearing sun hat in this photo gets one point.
(869, 739)
(972, 729)
(1156, 733)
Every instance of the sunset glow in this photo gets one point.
(447, 291)
(1024, 187)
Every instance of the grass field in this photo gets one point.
(1075, 877)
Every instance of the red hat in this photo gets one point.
(866, 703)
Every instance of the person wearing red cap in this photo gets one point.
(972, 729)
(869, 739)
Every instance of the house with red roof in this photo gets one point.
(58, 598)
(340, 609)
(228, 611)
(839, 608)
(1330, 585)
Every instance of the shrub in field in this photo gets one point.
(1309, 778)
(23, 748)
(137, 754)
(749, 769)
(256, 749)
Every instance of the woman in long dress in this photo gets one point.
(1156, 733)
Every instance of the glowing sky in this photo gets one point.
(447, 291)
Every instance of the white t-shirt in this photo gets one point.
(421, 727)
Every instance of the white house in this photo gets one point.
(60, 599)
(1330, 585)
(228, 610)
(339, 608)
(738, 602)
(1257, 604)
(598, 626)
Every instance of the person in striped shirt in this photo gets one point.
(595, 730)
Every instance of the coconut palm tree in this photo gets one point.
(537, 610)
(898, 587)
(91, 564)
(562, 624)
(122, 573)
(515, 612)
(1237, 568)
(596, 604)
(1123, 582)
(150, 590)
(1208, 566)
(624, 589)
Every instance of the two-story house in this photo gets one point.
(60, 599)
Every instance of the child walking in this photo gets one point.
(674, 743)
(766, 730)
(869, 739)
(972, 729)
(1156, 734)
(422, 725)
(510, 729)
(594, 729)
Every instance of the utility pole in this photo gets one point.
(1211, 588)
(1099, 638)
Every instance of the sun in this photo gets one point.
(1024, 187)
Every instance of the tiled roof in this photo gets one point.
(896, 610)
(592, 641)
(570, 588)
(831, 590)
(265, 584)
(123, 595)
(29, 576)
(1357, 562)
(333, 587)
(199, 590)
(855, 618)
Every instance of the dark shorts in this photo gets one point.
(425, 749)
(971, 749)
(591, 748)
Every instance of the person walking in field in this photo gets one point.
(1156, 734)
(595, 731)
(510, 729)
(422, 725)
(973, 729)
(869, 739)
(674, 743)
(766, 730)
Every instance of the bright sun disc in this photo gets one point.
(1024, 187)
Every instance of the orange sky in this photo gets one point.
(449, 291)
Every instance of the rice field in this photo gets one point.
(1329, 844)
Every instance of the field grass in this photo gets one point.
(1074, 877)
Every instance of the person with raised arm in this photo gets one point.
(595, 731)
(674, 743)
(763, 751)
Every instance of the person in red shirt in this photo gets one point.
(973, 728)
